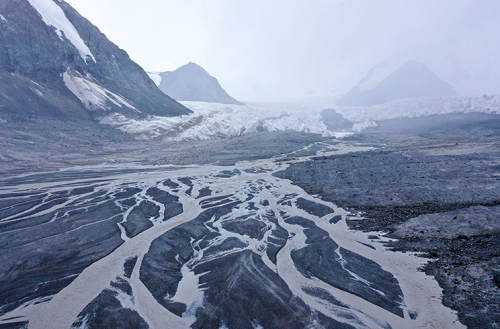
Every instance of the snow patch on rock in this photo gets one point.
(54, 16)
(156, 77)
(92, 95)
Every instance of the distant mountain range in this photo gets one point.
(412, 80)
(55, 63)
(192, 83)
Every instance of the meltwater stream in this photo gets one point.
(201, 247)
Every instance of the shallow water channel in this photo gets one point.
(199, 246)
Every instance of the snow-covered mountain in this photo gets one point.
(192, 83)
(412, 80)
(55, 63)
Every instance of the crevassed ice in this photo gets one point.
(213, 120)
(54, 16)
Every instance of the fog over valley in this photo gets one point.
(249, 164)
(296, 50)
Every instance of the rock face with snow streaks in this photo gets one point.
(55, 63)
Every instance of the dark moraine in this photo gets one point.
(277, 239)
(16, 325)
(128, 266)
(313, 208)
(204, 192)
(171, 202)
(250, 226)
(107, 311)
(187, 181)
(139, 218)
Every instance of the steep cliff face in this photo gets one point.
(192, 83)
(54, 62)
(412, 80)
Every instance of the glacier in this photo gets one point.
(213, 120)
(420, 107)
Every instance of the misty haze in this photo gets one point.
(237, 164)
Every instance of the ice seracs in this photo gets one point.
(213, 120)
(54, 16)
(210, 121)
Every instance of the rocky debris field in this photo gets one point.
(435, 185)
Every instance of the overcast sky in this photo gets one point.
(271, 50)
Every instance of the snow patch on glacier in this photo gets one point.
(54, 16)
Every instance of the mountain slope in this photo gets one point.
(412, 80)
(192, 83)
(55, 63)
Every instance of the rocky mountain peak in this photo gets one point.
(54, 62)
(412, 80)
(191, 82)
